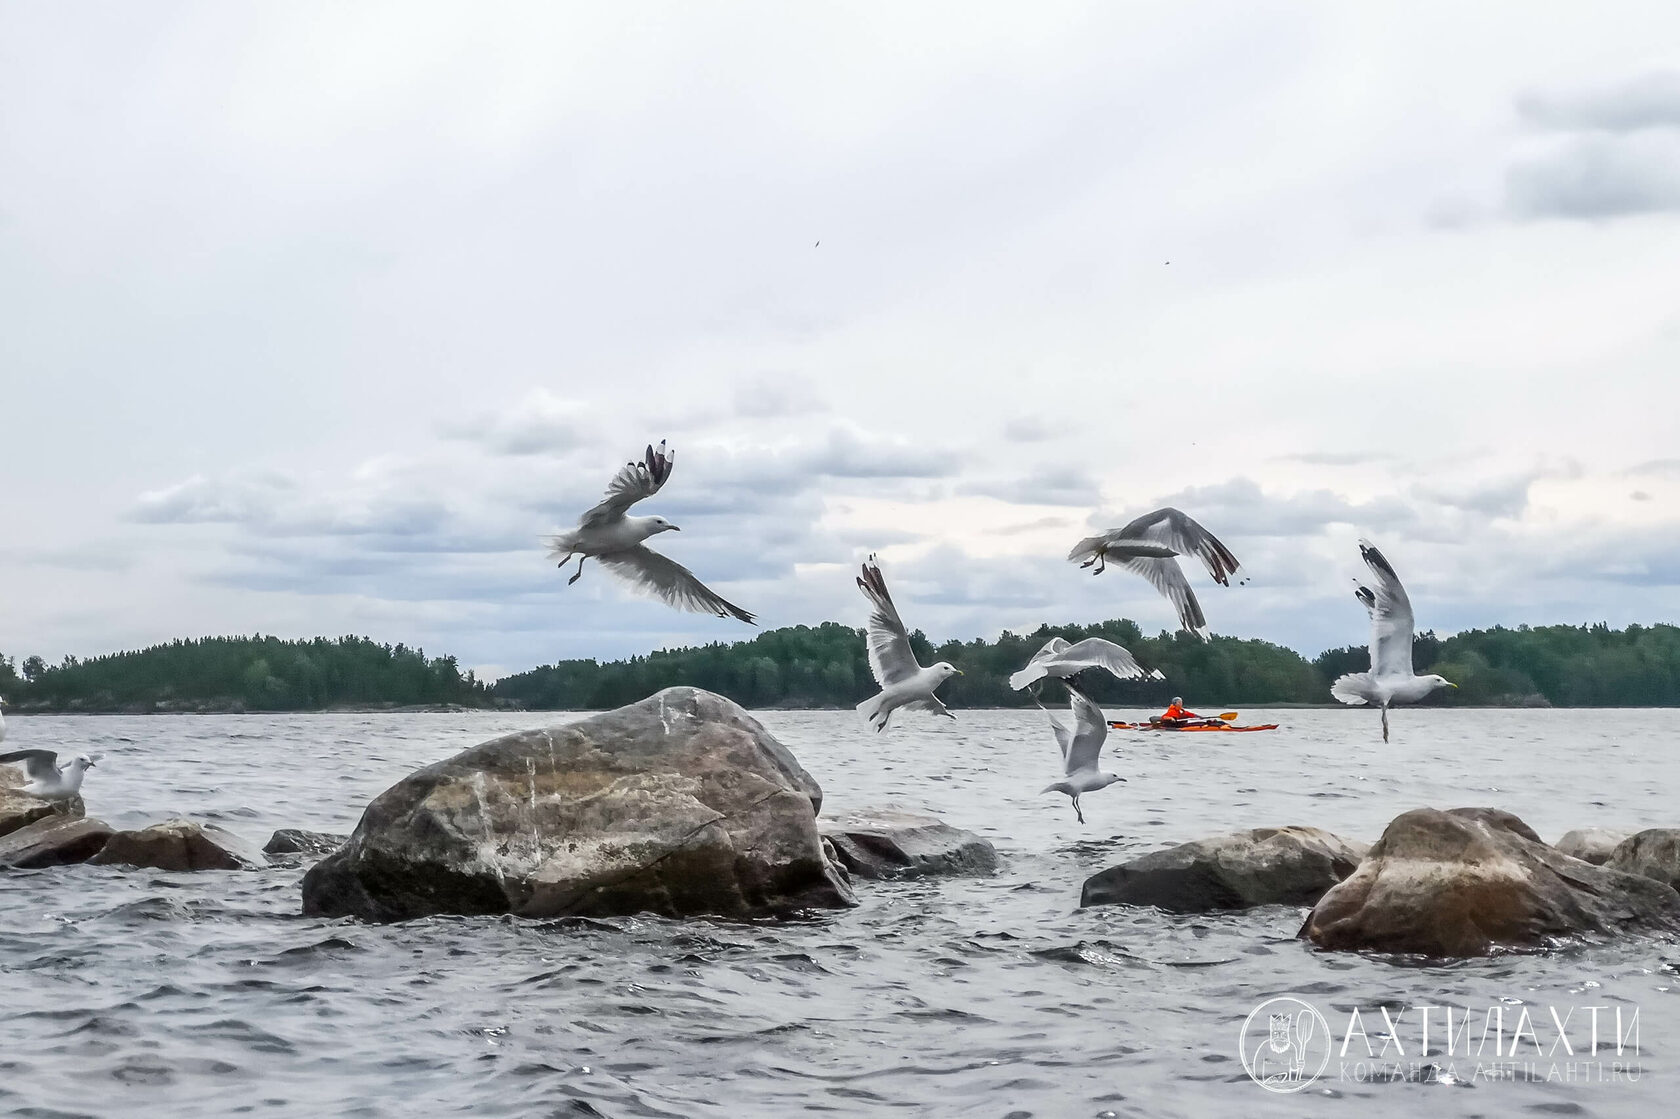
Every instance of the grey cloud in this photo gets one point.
(774, 395)
(1593, 177)
(1029, 429)
(1045, 485)
(1657, 468)
(1336, 458)
(541, 424)
(1495, 499)
(1034, 526)
(1648, 101)
(1239, 507)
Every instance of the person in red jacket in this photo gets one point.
(1177, 712)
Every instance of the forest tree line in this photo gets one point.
(825, 666)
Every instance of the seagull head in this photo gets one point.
(660, 524)
(1442, 682)
(946, 670)
(81, 761)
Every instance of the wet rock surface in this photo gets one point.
(680, 805)
(893, 843)
(1470, 881)
(1265, 866)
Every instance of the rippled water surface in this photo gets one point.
(141, 993)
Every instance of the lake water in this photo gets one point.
(142, 993)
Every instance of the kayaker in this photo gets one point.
(1177, 714)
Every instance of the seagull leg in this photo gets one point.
(579, 573)
(1077, 811)
(1102, 566)
(1385, 722)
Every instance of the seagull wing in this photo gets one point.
(1037, 667)
(1064, 736)
(890, 656)
(1097, 652)
(1391, 616)
(36, 763)
(633, 482)
(1187, 537)
(1090, 730)
(1167, 577)
(665, 578)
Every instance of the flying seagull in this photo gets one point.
(1149, 546)
(1391, 679)
(1065, 661)
(47, 779)
(1081, 746)
(904, 682)
(615, 540)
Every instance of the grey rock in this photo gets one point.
(681, 805)
(1471, 881)
(1265, 866)
(18, 809)
(180, 845)
(892, 843)
(1590, 845)
(1653, 853)
(56, 840)
(295, 841)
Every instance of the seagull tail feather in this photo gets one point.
(1355, 688)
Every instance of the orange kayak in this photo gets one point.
(1217, 727)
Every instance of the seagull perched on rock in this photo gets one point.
(615, 540)
(904, 682)
(1081, 746)
(1065, 661)
(1150, 546)
(47, 779)
(1391, 679)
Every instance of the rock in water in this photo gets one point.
(294, 841)
(19, 809)
(1591, 845)
(1653, 853)
(680, 805)
(1472, 880)
(180, 845)
(1266, 866)
(891, 843)
(54, 841)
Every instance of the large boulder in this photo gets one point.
(1265, 866)
(1472, 880)
(180, 845)
(56, 840)
(679, 805)
(892, 843)
(1590, 845)
(1653, 853)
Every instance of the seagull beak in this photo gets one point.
(1450, 684)
(674, 528)
(958, 671)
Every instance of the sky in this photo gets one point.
(315, 318)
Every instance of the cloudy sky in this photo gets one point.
(314, 318)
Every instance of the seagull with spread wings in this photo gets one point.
(903, 680)
(1391, 679)
(1065, 660)
(616, 540)
(1150, 546)
(1081, 745)
(47, 779)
